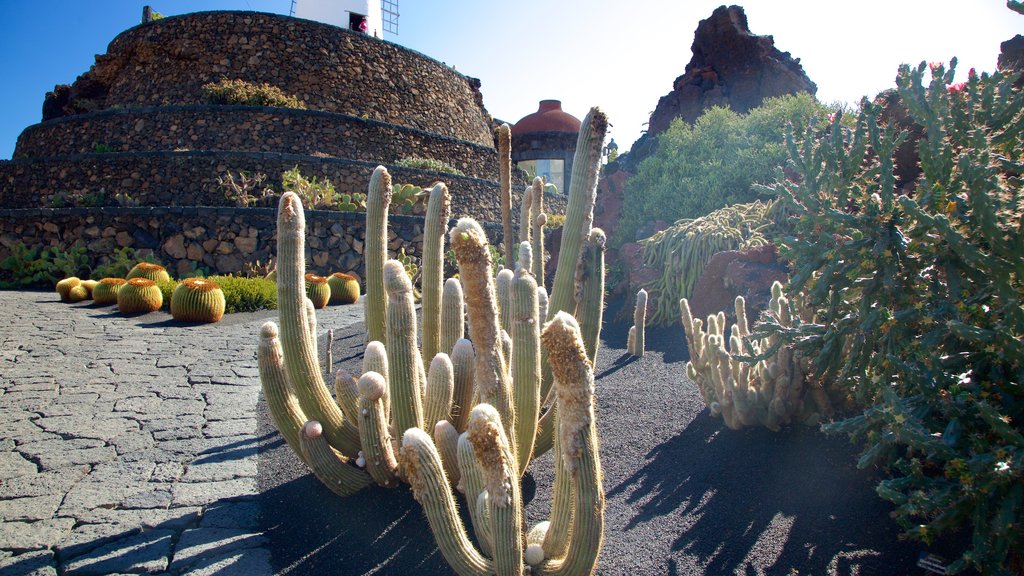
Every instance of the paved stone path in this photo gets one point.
(129, 445)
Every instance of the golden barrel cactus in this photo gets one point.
(105, 291)
(197, 300)
(318, 290)
(139, 296)
(344, 288)
(64, 287)
(154, 272)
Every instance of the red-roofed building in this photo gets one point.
(543, 143)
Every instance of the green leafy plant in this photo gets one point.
(919, 302)
(420, 163)
(25, 266)
(315, 193)
(714, 163)
(247, 294)
(120, 262)
(249, 94)
(405, 198)
(246, 189)
(101, 148)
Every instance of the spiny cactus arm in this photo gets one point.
(446, 438)
(404, 363)
(497, 463)
(423, 468)
(631, 340)
(284, 407)
(578, 445)
(378, 451)
(375, 359)
(463, 360)
(640, 322)
(545, 431)
(526, 373)
(297, 342)
(490, 371)
(590, 310)
(328, 364)
(471, 484)
(502, 282)
(579, 212)
(375, 252)
(329, 466)
(505, 174)
(435, 224)
(437, 401)
(538, 222)
(526, 215)
(742, 324)
(686, 317)
(453, 316)
(542, 292)
(346, 394)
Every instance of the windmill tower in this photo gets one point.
(371, 17)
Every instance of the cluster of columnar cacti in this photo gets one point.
(685, 248)
(351, 441)
(636, 345)
(772, 391)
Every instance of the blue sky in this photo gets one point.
(619, 55)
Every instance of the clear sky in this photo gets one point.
(619, 55)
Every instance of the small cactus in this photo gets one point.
(106, 290)
(64, 287)
(139, 296)
(317, 290)
(154, 272)
(78, 293)
(344, 288)
(89, 286)
(637, 332)
(197, 300)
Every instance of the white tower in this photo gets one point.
(358, 15)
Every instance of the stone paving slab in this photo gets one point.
(129, 445)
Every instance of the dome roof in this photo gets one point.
(549, 117)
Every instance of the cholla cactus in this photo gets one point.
(348, 443)
(770, 392)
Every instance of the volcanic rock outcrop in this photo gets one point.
(731, 66)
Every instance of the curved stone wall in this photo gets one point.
(253, 129)
(222, 240)
(167, 61)
(190, 179)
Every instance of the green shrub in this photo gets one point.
(26, 266)
(249, 94)
(247, 294)
(714, 163)
(119, 263)
(921, 304)
(428, 164)
(167, 289)
(313, 193)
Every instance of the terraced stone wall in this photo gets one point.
(190, 178)
(251, 129)
(221, 240)
(166, 62)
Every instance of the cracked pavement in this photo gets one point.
(129, 444)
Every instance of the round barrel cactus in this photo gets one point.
(106, 290)
(344, 288)
(78, 293)
(64, 287)
(154, 272)
(139, 296)
(89, 286)
(197, 300)
(318, 290)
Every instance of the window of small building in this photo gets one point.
(552, 170)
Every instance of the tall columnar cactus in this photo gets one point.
(432, 278)
(579, 211)
(375, 251)
(502, 506)
(505, 181)
(537, 222)
(637, 332)
(771, 392)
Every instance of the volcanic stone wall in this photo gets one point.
(190, 179)
(251, 129)
(221, 240)
(167, 61)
